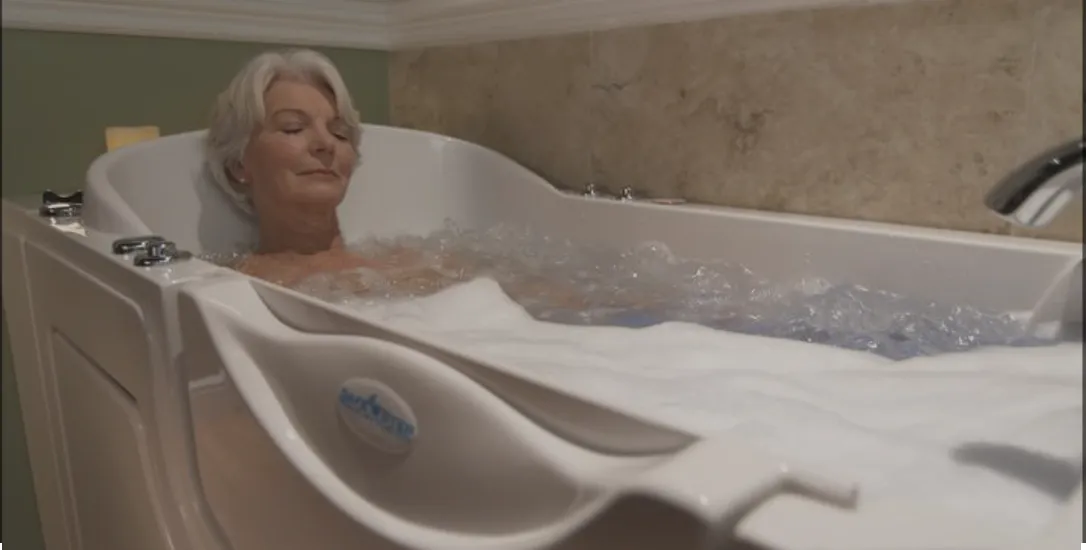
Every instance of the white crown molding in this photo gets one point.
(349, 24)
(373, 24)
(420, 23)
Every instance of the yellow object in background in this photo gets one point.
(119, 136)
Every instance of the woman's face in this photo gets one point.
(300, 158)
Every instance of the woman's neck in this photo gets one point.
(301, 235)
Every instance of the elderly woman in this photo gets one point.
(283, 144)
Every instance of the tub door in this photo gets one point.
(373, 444)
(89, 346)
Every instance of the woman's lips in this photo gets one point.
(321, 173)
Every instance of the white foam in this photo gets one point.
(892, 426)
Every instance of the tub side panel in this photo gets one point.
(36, 396)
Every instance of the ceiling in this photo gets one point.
(371, 24)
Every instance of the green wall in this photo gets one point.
(60, 91)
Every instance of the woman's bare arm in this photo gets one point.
(402, 270)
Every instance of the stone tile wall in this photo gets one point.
(904, 112)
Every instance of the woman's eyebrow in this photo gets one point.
(289, 110)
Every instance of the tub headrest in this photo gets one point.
(161, 187)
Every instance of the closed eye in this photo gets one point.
(340, 132)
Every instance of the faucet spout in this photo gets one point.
(1034, 193)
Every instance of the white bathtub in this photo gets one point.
(165, 406)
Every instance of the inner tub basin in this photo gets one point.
(417, 423)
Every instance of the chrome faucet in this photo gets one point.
(590, 190)
(1034, 193)
(593, 190)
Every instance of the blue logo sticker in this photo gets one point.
(376, 414)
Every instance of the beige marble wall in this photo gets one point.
(901, 112)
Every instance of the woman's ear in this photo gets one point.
(238, 172)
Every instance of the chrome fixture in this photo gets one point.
(1034, 193)
(54, 205)
(160, 253)
(626, 194)
(135, 244)
(593, 190)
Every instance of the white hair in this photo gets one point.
(240, 108)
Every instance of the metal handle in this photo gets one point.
(160, 253)
(135, 244)
(594, 190)
(60, 210)
(50, 197)
(55, 205)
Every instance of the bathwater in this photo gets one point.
(559, 281)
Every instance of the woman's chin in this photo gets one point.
(318, 195)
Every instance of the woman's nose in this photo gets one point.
(322, 143)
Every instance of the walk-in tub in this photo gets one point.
(178, 404)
